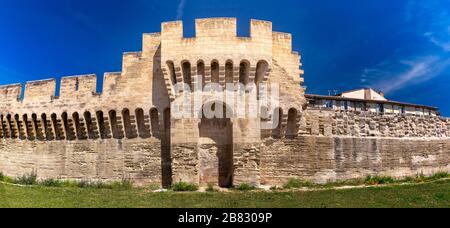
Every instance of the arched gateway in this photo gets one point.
(216, 148)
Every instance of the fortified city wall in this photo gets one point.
(335, 145)
(127, 131)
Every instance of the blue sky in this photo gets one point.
(400, 47)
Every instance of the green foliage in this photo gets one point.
(184, 187)
(7, 179)
(52, 183)
(296, 184)
(370, 180)
(440, 175)
(93, 184)
(211, 188)
(70, 184)
(84, 184)
(245, 187)
(275, 188)
(125, 184)
(409, 180)
(27, 179)
(154, 186)
(434, 194)
(421, 178)
(351, 182)
(377, 180)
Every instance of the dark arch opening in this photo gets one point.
(277, 118)
(21, 134)
(187, 77)
(28, 128)
(20, 130)
(166, 156)
(114, 125)
(244, 72)
(34, 119)
(2, 127)
(261, 69)
(47, 127)
(89, 125)
(143, 128)
(219, 132)
(56, 127)
(5, 126)
(130, 131)
(37, 127)
(201, 72)
(5, 133)
(173, 76)
(215, 74)
(101, 125)
(229, 78)
(292, 129)
(70, 134)
(78, 126)
(154, 121)
(11, 127)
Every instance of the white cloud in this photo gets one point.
(431, 19)
(433, 39)
(180, 9)
(437, 24)
(400, 74)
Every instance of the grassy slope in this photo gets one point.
(435, 194)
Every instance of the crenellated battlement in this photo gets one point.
(216, 27)
(216, 42)
(283, 41)
(40, 91)
(76, 86)
(10, 93)
(214, 36)
(218, 55)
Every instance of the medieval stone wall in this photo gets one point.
(327, 159)
(127, 130)
(68, 130)
(369, 124)
(334, 145)
(102, 160)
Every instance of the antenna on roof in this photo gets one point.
(335, 92)
(329, 93)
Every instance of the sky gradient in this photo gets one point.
(399, 47)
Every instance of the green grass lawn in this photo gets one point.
(436, 194)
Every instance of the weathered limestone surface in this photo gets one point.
(323, 159)
(369, 124)
(246, 164)
(105, 160)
